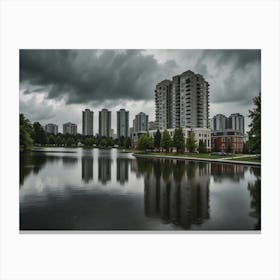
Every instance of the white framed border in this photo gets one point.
(146, 24)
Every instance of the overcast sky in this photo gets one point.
(57, 85)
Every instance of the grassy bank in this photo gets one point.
(251, 159)
(204, 156)
(239, 158)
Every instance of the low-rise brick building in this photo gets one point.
(227, 141)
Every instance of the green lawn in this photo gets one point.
(253, 159)
(206, 156)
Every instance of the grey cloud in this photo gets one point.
(36, 90)
(234, 75)
(234, 58)
(109, 78)
(36, 110)
(83, 76)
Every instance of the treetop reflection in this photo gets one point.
(146, 193)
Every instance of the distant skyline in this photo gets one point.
(57, 85)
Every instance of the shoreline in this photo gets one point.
(258, 164)
(217, 160)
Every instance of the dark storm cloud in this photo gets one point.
(236, 58)
(82, 76)
(113, 78)
(234, 75)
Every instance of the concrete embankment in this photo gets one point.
(222, 160)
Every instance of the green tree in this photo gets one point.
(128, 142)
(69, 141)
(103, 142)
(157, 139)
(122, 141)
(246, 147)
(88, 142)
(52, 140)
(255, 126)
(178, 139)
(110, 142)
(202, 146)
(25, 130)
(58, 140)
(116, 142)
(166, 141)
(145, 142)
(191, 143)
(38, 134)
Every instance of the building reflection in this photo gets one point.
(176, 191)
(87, 168)
(104, 169)
(33, 162)
(255, 194)
(220, 171)
(134, 168)
(122, 170)
(68, 161)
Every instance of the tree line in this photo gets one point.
(165, 142)
(35, 135)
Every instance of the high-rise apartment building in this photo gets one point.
(113, 134)
(233, 122)
(182, 102)
(236, 122)
(164, 104)
(219, 122)
(105, 123)
(88, 122)
(140, 123)
(70, 128)
(152, 125)
(122, 123)
(51, 128)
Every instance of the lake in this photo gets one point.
(96, 189)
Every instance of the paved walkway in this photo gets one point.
(223, 160)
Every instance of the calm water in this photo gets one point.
(80, 189)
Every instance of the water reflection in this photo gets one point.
(255, 193)
(33, 162)
(104, 169)
(87, 168)
(122, 170)
(176, 192)
(69, 161)
(154, 193)
(234, 172)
